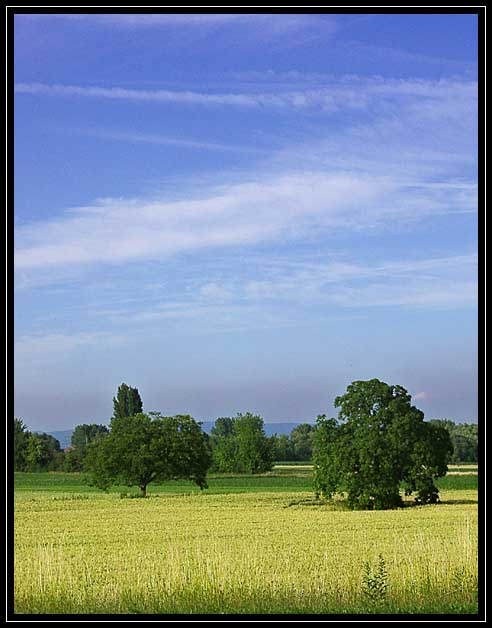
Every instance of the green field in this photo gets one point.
(248, 544)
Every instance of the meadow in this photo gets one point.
(246, 545)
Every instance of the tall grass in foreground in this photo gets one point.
(240, 553)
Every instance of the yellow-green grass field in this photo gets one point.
(246, 545)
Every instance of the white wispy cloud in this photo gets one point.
(281, 293)
(273, 24)
(287, 207)
(215, 292)
(114, 230)
(441, 281)
(415, 292)
(162, 140)
(32, 346)
(118, 93)
(346, 93)
(413, 157)
(264, 292)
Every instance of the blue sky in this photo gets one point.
(244, 212)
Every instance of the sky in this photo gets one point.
(243, 212)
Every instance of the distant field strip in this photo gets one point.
(293, 467)
(453, 469)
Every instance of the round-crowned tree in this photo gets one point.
(379, 444)
(145, 448)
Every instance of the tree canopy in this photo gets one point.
(127, 402)
(21, 437)
(149, 447)
(301, 438)
(82, 436)
(85, 433)
(464, 437)
(298, 445)
(379, 442)
(240, 444)
(42, 452)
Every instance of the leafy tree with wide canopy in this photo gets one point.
(146, 448)
(379, 443)
(240, 444)
(254, 448)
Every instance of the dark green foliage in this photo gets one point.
(127, 402)
(240, 445)
(431, 451)
(379, 441)
(328, 456)
(35, 452)
(82, 436)
(85, 433)
(74, 460)
(223, 445)
(301, 439)
(464, 437)
(254, 450)
(282, 448)
(21, 436)
(145, 448)
(223, 427)
(43, 453)
(298, 445)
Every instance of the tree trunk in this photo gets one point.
(143, 490)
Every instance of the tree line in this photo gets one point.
(236, 444)
(227, 441)
(139, 448)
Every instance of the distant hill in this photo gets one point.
(64, 436)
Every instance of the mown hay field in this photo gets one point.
(246, 545)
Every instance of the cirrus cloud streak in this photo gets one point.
(278, 209)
